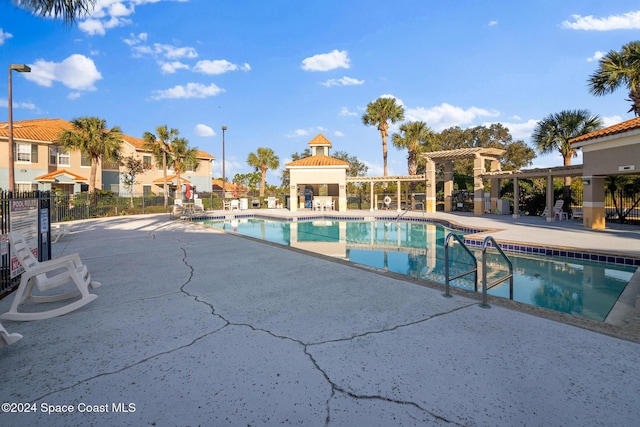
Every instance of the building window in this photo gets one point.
(53, 156)
(23, 153)
(26, 187)
(85, 160)
(146, 162)
(63, 158)
(146, 190)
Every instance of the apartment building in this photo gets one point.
(41, 164)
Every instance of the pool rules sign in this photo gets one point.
(24, 218)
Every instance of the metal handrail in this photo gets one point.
(509, 277)
(402, 214)
(447, 279)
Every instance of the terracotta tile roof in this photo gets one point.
(170, 178)
(320, 139)
(48, 130)
(318, 161)
(611, 130)
(51, 176)
(217, 183)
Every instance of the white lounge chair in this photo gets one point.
(271, 202)
(317, 205)
(329, 205)
(178, 207)
(58, 231)
(47, 275)
(198, 207)
(235, 204)
(6, 338)
(558, 212)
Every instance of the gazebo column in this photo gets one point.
(398, 195)
(550, 199)
(448, 185)
(495, 193)
(516, 198)
(478, 187)
(373, 202)
(342, 197)
(430, 184)
(293, 198)
(593, 208)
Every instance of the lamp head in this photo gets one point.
(224, 128)
(21, 68)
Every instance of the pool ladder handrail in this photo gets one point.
(447, 279)
(509, 276)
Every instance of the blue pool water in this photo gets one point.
(578, 287)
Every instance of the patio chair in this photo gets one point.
(198, 207)
(317, 205)
(271, 202)
(6, 338)
(178, 207)
(235, 204)
(58, 231)
(47, 275)
(558, 212)
(329, 205)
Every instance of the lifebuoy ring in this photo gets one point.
(387, 200)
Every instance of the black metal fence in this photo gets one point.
(623, 206)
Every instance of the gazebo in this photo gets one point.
(319, 175)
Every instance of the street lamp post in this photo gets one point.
(21, 68)
(224, 190)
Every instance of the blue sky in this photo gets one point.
(278, 72)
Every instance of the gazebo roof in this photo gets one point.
(320, 140)
(313, 161)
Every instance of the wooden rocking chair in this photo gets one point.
(47, 275)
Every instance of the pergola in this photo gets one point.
(382, 179)
(548, 173)
(479, 155)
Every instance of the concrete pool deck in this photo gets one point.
(197, 327)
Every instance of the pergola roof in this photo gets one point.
(385, 178)
(464, 153)
(536, 173)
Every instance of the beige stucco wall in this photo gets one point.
(613, 157)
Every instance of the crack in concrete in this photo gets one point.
(305, 346)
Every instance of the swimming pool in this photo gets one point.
(576, 286)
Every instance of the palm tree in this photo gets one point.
(263, 160)
(184, 159)
(159, 145)
(68, 10)
(416, 136)
(91, 137)
(378, 114)
(619, 69)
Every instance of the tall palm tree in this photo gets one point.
(159, 145)
(184, 159)
(91, 137)
(618, 69)
(554, 132)
(68, 10)
(263, 160)
(413, 136)
(379, 113)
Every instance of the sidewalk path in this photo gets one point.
(196, 327)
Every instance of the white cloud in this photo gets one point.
(344, 111)
(626, 21)
(446, 115)
(326, 61)
(134, 40)
(76, 72)
(4, 36)
(610, 121)
(191, 90)
(204, 130)
(338, 133)
(74, 95)
(493, 23)
(345, 81)
(218, 66)
(596, 56)
(172, 67)
(298, 132)
(4, 103)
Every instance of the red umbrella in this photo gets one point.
(188, 193)
(235, 190)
